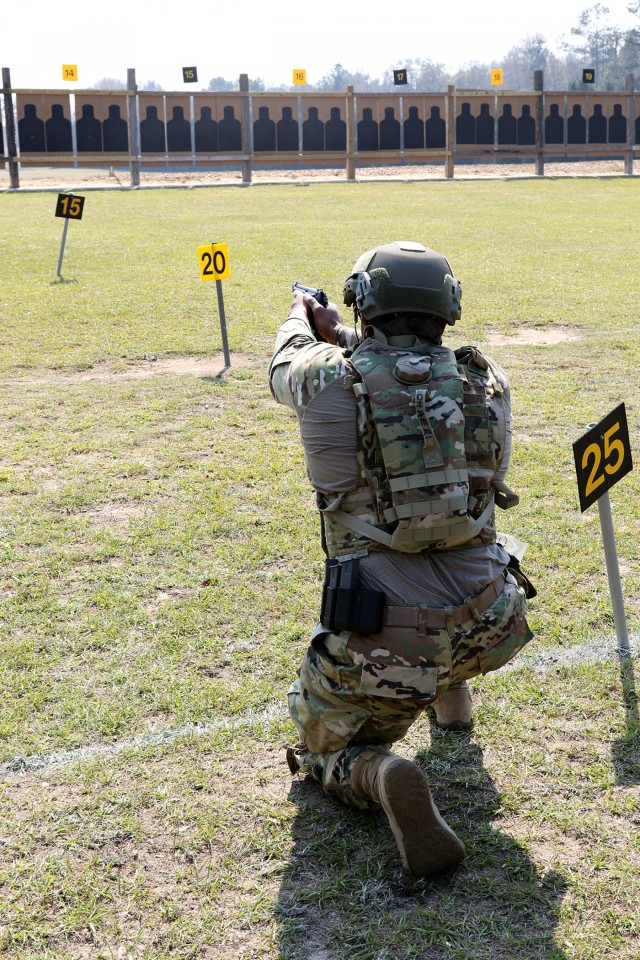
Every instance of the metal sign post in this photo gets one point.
(214, 265)
(223, 324)
(602, 457)
(613, 572)
(62, 246)
(70, 207)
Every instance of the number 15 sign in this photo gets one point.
(602, 456)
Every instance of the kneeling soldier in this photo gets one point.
(407, 446)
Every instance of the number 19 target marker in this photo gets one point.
(213, 260)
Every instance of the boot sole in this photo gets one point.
(454, 724)
(425, 841)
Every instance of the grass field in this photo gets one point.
(161, 570)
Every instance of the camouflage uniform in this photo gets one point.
(354, 691)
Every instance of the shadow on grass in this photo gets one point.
(626, 752)
(344, 895)
(60, 280)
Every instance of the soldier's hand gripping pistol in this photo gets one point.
(319, 295)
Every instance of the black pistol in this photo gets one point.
(320, 295)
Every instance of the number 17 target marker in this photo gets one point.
(213, 260)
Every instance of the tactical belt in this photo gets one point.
(421, 617)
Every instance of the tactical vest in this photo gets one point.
(431, 436)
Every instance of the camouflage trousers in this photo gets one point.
(355, 691)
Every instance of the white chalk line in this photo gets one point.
(43, 761)
(597, 651)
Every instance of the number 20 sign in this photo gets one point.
(602, 456)
(214, 262)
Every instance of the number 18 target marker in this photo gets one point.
(213, 260)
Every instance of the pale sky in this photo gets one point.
(268, 40)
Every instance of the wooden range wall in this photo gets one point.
(184, 131)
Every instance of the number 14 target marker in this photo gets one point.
(603, 456)
(213, 260)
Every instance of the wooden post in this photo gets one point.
(631, 126)
(451, 131)
(245, 128)
(134, 127)
(351, 136)
(538, 86)
(12, 148)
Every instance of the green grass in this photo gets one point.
(160, 571)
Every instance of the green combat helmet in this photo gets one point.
(403, 277)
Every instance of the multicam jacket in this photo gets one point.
(433, 429)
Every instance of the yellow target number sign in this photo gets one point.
(214, 261)
(299, 78)
(69, 206)
(69, 71)
(602, 456)
(497, 78)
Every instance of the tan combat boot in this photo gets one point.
(453, 708)
(426, 843)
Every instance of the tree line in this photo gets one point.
(595, 43)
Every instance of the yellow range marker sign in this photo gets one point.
(69, 71)
(497, 78)
(213, 260)
(69, 206)
(602, 456)
(299, 78)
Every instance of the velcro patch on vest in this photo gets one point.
(431, 449)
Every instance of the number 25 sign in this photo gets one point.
(602, 456)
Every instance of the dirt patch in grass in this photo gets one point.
(114, 514)
(535, 337)
(164, 594)
(150, 366)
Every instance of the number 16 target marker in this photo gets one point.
(603, 456)
(213, 260)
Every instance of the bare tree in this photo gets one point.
(473, 76)
(338, 79)
(108, 83)
(599, 41)
(219, 84)
(424, 76)
(523, 60)
(150, 85)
